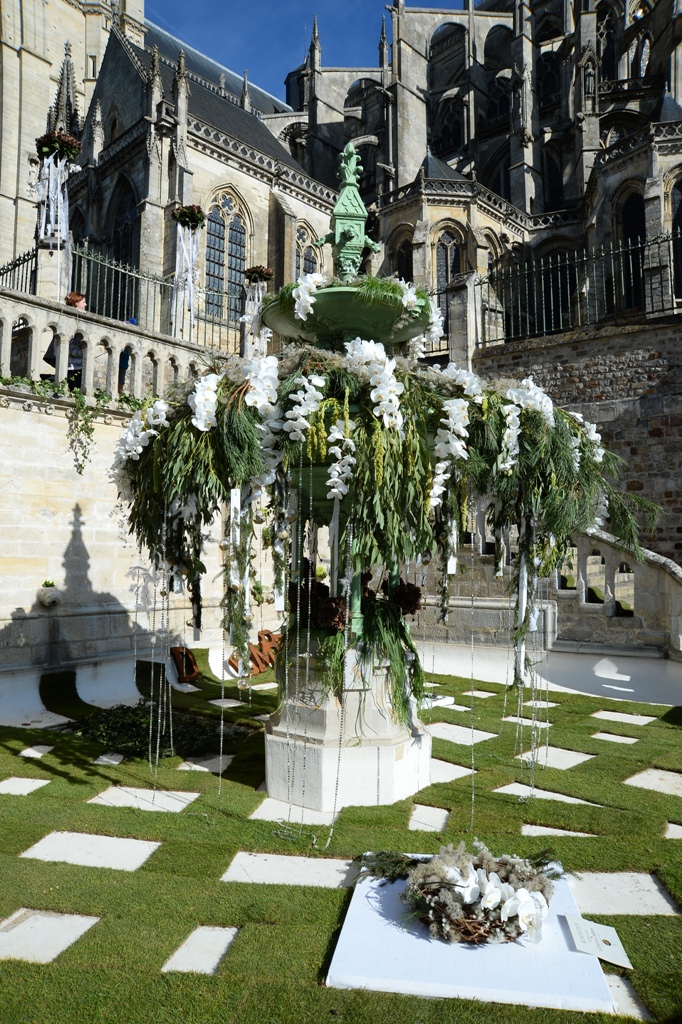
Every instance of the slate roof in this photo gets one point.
(667, 109)
(205, 100)
(438, 169)
(199, 64)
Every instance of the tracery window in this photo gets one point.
(225, 258)
(498, 102)
(548, 80)
(639, 55)
(306, 253)
(448, 134)
(448, 265)
(606, 42)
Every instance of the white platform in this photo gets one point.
(524, 792)
(459, 733)
(538, 723)
(144, 799)
(39, 936)
(92, 851)
(479, 694)
(226, 702)
(555, 757)
(673, 831)
(276, 869)
(107, 683)
(202, 951)
(658, 780)
(377, 951)
(620, 892)
(16, 786)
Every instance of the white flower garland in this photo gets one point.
(306, 402)
(157, 414)
(448, 447)
(530, 396)
(467, 380)
(131, 444)
(203, 401)
(510, 439)
(306, 285)
(261, 373)
(435, 329)
(369, 359)
(410, 298)
(341, 446)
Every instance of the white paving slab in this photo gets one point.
(459, 733)
(214, 764)
(440, 701)
(92, 851)
(265, 686)
(262, 718)
(521, 790)
(379, 950)
(620, 892)
(613, 738)
(186, 687)
(428, 819)
(275, 869)
(444, 771)
(16, 786)
(673, 831)
(538, 723)
(144, 799)
(39, 936)
(628, 1003)
(541, 704)
(479, 694)
(110, 757)
(279, 810)
(107, 683)
(621, 716)
(555, 757)
(658, 780)
(545, 830)
(226, 702)
(202, 951)
(37, 751)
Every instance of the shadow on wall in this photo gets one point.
(84, 625)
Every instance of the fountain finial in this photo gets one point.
(347, 236)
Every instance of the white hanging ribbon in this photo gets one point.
(53, 196)
(187, 255)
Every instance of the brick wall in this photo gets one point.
(628, 381)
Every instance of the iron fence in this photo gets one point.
(20, 274)
(120, 292)
(567, 291)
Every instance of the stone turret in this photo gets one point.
(63, 116)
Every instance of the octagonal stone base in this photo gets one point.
(323, 756)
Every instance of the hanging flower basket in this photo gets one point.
(191, 217)
(65, 146)
(258, 275)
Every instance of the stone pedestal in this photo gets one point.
(313, 744)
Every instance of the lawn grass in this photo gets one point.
(274, 971)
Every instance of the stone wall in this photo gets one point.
(59, 526)
(628, 380)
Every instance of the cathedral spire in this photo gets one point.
(63, 115)
(315, 53)
(383, 44)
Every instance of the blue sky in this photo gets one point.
(270, 38)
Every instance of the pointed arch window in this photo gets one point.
(548, 78)
(606, 42)
(225, 258)
(306, 253)
(448, 265)
(402, 260)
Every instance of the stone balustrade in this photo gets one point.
(28, 324)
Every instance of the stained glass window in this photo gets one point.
(306, 254)
(225, 258)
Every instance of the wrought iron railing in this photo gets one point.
(124, 293)
(20, 273)
(564, 292)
